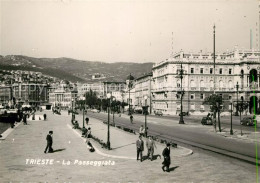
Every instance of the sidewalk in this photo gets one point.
(71, 157)
(123, 144)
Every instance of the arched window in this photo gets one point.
(211, 83)
(230, 84)
(220, 84)
(192, 83)
(201, 83)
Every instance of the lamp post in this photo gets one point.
(231, 111)
(108, 121)
(181, 115)
(145, 116)
(72, 111)
(83, 124)
(114, 99)
(237, 86)
(129, 87)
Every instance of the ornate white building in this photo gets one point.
(240, 67)
(142, 89)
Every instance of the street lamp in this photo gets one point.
(108, 121)
(231, 111)
(181, 72)
(129, 87)
(83, 125)
(72, 111)
(145, 115)
(237, 86)
(114, 99)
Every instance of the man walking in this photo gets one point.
(131, 118)
(49, 142)
(142, 130)
(140, 148)
(167, 159)
(150, 148)
(87, 120)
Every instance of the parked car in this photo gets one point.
(95, 111)
(248, 121)
(206, 121)
(158, 113)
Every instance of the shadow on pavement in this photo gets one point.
(124, 145)
(173, 168)
(57, 150)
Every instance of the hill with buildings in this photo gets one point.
(74, 70)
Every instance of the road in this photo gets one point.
(194, 136)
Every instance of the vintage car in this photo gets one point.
(206, 121)
(158, 113)
(248, 121)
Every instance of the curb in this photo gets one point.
(8, 131)
(190, 152)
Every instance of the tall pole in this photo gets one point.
(214, 72)
(237, 100)
(108, 125)
(145, 118)
(83, 125)
(214, 58)
(231, 130)
(181, 115)
(129, 85)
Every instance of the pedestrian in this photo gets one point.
(25, 119)
(90, 146)
(49, 143)
(76, 125)
(142, 130)
(87, 120)
(150, 148)
(44, 116)
(84, 131)
(131, 118)
(140, 148)
(167, 159)
(88, 134)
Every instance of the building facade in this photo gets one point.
(142, 90)
(97, 87)
(63, 98)
(30, 93)
(235, 68)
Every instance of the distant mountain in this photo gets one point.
(74, 70)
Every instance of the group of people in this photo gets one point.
(150, 145)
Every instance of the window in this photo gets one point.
(211, 70)
(192, 83)
(230, 71)
(192, 70)
(229, 97)
(201, 70)
(192, 96)
(192, 107)
(220, 71)
(201, 96)
(201, 83)
(220, 84)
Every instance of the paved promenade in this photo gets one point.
(72, 162)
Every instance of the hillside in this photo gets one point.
(74, 70)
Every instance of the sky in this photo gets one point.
(123, 30)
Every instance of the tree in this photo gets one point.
(216, 103)
(241, 107)
(91, 98)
